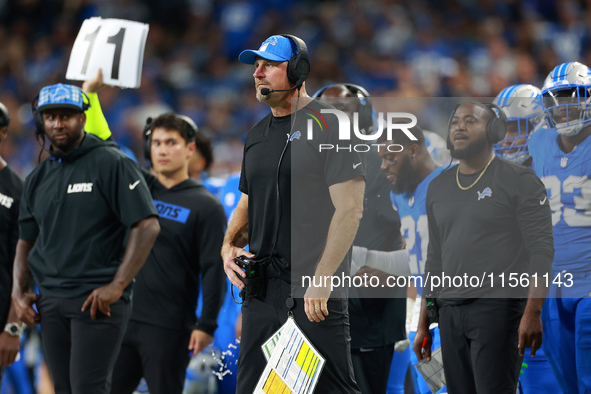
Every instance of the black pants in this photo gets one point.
(158, 354)
(372, 368)
(479, 345)
(261, 318)
(81, 352)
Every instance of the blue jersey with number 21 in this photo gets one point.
(413, 223)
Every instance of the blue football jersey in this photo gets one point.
(566, 177)
(214, 185)
(413, 223)
(230, 195)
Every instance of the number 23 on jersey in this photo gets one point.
(569, 200)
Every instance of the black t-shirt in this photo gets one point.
(192, 223)
(78, 208)
(297, 222)
(11, 189)
(500, 225)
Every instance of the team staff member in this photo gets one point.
(87, 224)
(163, 327)
(376, 323)
(327, 207)
(11, 189)
(485, 215)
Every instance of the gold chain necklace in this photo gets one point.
(477, 179)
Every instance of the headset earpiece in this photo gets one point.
(147, 134)
(496, 128)
(4, 116)
(85, 104)
(192, 129)
(298, 67)
(37, 119)
(365, 107)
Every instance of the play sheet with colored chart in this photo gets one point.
(294, 366)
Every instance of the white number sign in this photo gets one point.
(114, 45)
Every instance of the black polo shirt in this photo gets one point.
(11, 189)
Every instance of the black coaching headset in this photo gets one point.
(298, 67)
(4, 116)
(365, 108)
(496, 128)
(38, 116)
(191, 129)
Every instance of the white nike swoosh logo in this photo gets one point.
(133, 185)
(542, 202)
(356, 165)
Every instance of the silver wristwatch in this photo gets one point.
(14, 329)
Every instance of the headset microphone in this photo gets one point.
(266, 91)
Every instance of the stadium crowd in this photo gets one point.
(393, 48)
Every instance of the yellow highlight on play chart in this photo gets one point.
(307, 360)
(274, 385)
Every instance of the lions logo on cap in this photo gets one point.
(60, 93)
(270, 41)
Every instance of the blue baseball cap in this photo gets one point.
(276, 48)
(60, 96)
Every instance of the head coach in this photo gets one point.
(86, 225)
(299, 212)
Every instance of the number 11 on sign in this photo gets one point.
(111, 44)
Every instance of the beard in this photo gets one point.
(471, 150)
(406, 180)
(67, 144)
(262, 97)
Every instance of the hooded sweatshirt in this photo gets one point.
(192, 223)
(79, 207)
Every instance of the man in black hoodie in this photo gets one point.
(87, 224)
(164, 331)
(11, 188)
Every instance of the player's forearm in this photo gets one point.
(22, 278)
(141, 239)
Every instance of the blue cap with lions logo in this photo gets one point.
(275, 48)
(60, 96)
